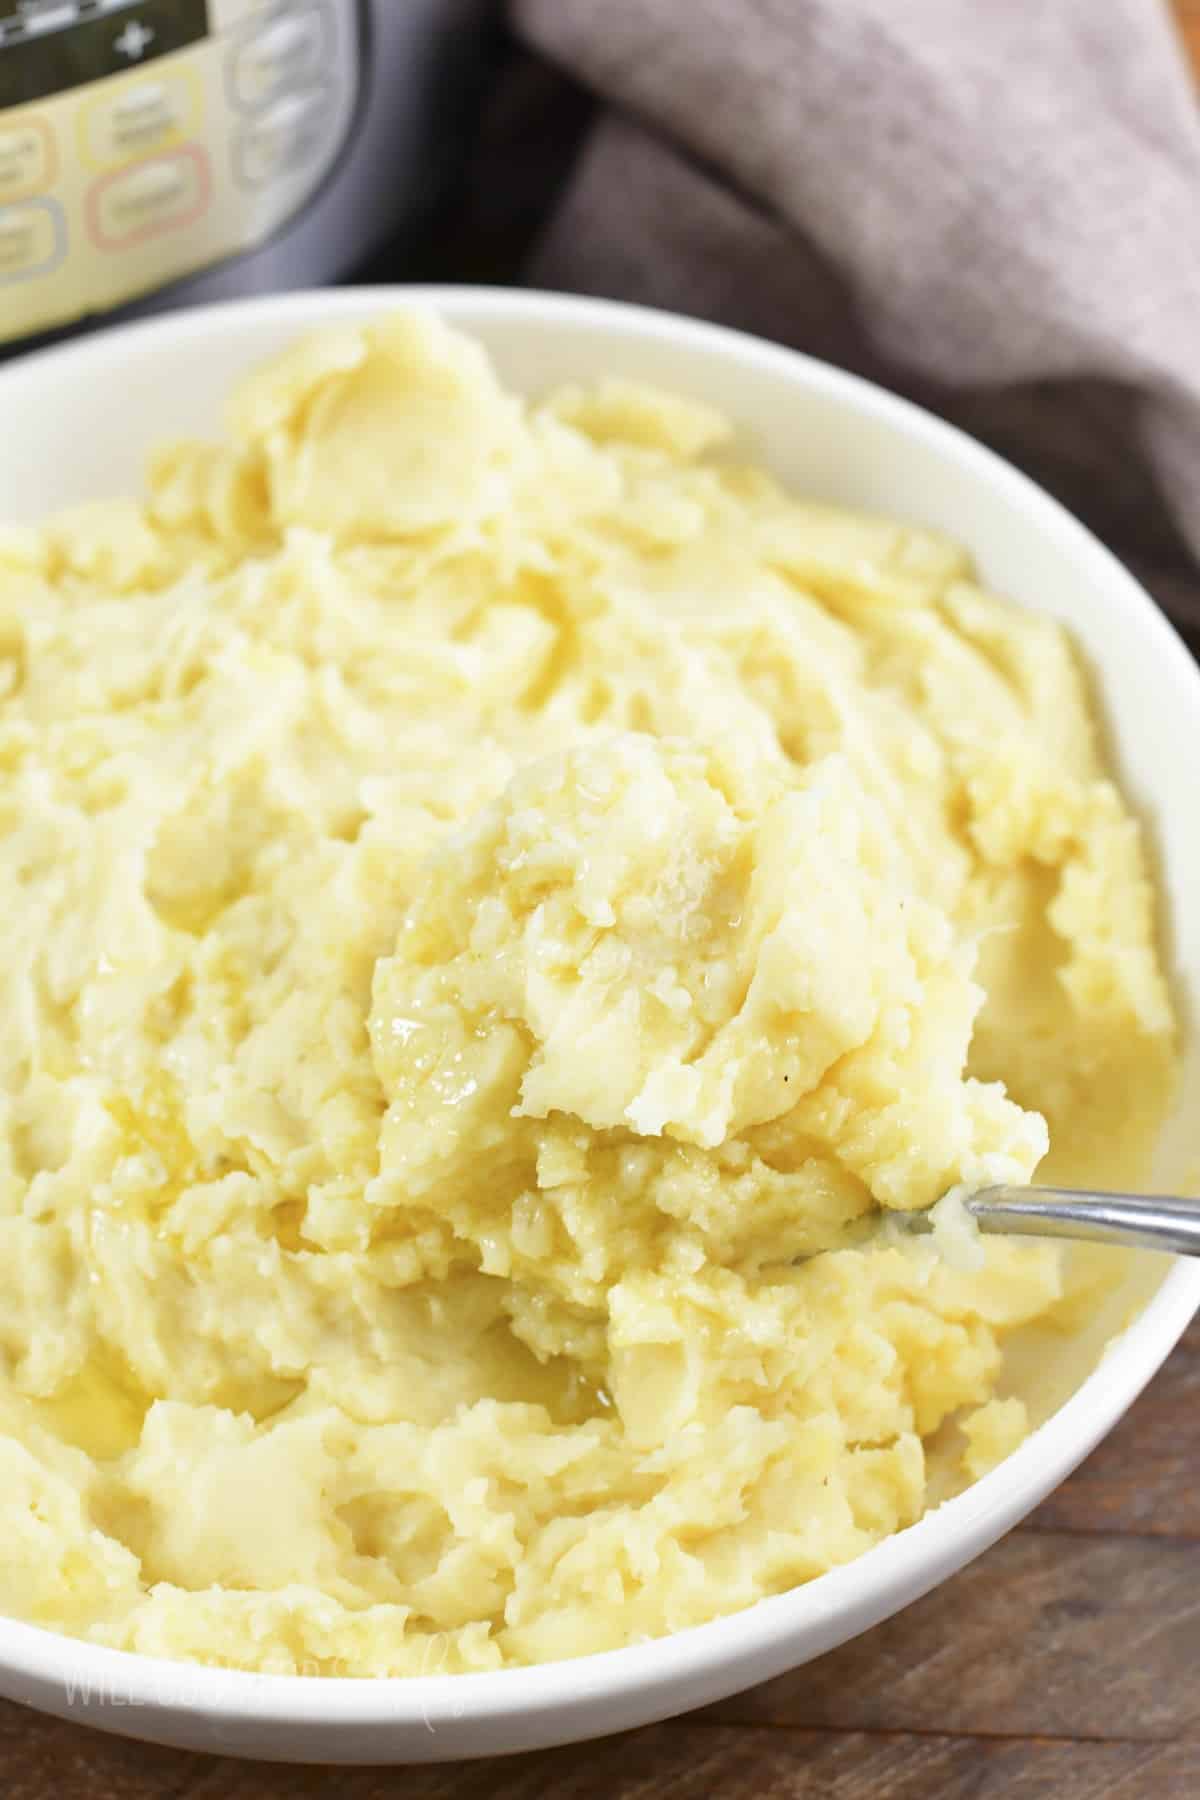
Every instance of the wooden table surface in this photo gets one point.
(1062, 1665)
(1187, 15)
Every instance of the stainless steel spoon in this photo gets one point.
(1144, 1221)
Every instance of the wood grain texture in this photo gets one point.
(1187, 17)
(680, 1761)
(1063, 1637)
(1063, 1665)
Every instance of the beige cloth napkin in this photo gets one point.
(993, 205)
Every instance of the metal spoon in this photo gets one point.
(1144, 1221)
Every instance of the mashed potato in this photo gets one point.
(489, 889)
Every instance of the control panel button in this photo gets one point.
(139, 116)
(281, 139)
(27, 158)
(33, 238)
(161, 194)
(283, 49)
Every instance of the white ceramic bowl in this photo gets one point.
(75, 423)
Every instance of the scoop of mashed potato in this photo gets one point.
(490, 889)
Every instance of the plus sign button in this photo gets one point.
(134, 41)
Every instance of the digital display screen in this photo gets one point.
(47, 47)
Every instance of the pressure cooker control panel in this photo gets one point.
(141, 140)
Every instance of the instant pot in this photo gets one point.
(159, 152)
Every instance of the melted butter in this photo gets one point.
(155, 1124)
(508, 1370)
(97, 1411)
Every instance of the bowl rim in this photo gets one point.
(758, 1641)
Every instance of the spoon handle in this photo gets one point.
(1147, 1221)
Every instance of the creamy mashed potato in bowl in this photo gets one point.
(543, 818)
